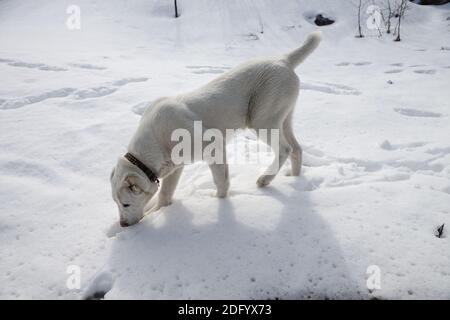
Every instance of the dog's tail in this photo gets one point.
(294, 58)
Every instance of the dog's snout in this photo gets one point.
(124, 224)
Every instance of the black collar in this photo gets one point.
(149, 173)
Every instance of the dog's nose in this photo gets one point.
(123, 224)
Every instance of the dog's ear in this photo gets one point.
(137, 183)
(167, 168)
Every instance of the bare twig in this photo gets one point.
(176, 9)
(402, 7)
(359, 35)
(389, 17)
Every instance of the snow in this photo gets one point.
(372, 118)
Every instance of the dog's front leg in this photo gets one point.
(221, 178)
(168, 186)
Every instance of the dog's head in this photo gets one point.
(131, 190)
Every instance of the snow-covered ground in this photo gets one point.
(373, 118)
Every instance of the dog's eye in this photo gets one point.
(125, 205)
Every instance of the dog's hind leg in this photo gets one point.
(282, 150)
(296, 154)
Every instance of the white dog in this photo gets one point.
(260, 94)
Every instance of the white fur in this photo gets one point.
(260, 94)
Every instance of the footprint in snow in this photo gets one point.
(140, 108)
(125, 81)
(362, 63)
(39, 66)
(21, 102)
(429, 71)
(94, 92)
(207, 69)
(87, 66)
(343, 64)
(78, 94)
(439, 151)
(331, 88)
(251, 37)
(417, 113)
(394, 71)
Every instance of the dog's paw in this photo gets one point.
(264, 180)
(158, 206)
(163, 204)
